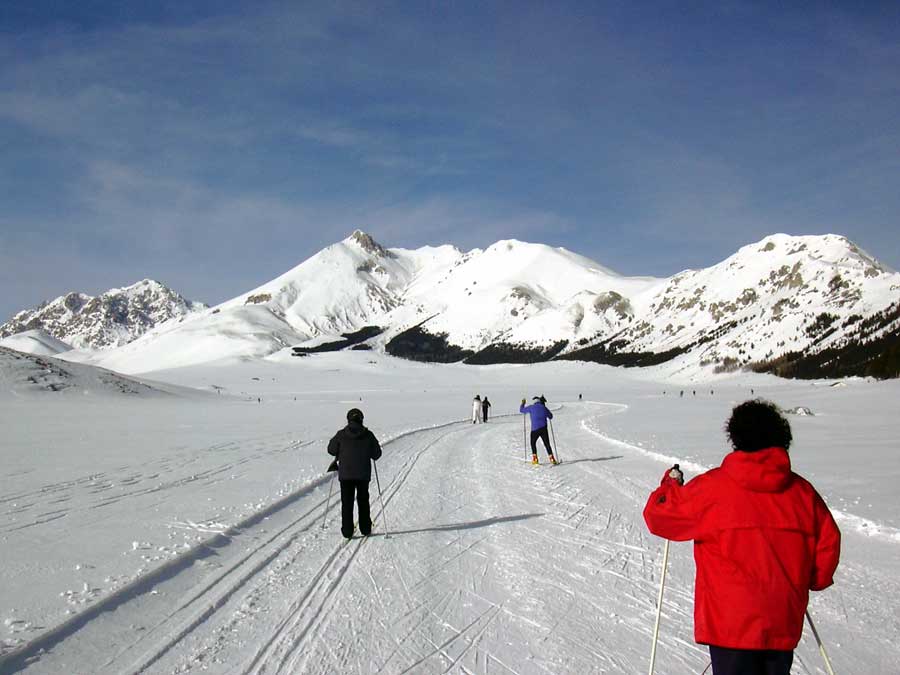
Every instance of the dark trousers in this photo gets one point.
(484, 414)
(360, 488)
(750, 661)
(544, 436)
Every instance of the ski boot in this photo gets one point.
(553, 460)
(534, 459)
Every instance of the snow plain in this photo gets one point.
(167, 531)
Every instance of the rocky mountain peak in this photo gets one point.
(368, 244)
(111, 319)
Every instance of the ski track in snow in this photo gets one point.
(864, 526)
(29, 508)
(456, 585)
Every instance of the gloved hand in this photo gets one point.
(523, 401)
(673, 476)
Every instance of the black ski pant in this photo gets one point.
(750, 661)
(484, 415)
(359, 488)
(544, 436)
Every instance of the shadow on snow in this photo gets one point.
(487, 522)
(592, 459)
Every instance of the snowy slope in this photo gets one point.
(24, 374)
(38, 342)
(342, 287)
(522, 302)
(200, 523)
(251, 331)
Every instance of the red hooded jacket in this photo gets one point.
(763, 538)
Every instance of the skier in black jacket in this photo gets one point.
(355, 448)
(485, 404)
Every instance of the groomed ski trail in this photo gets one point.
(493, 566)
(141, 623)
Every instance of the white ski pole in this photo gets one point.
(524, 437)
(555, 446)
(662, 585)
(821, 646)
(387, 535)
(328, 501)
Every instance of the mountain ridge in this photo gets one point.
(784, 297)
(111, 319)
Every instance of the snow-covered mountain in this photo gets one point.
(766, 306)
(772, 303)
(111, 319)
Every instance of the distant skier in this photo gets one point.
(485, 404)
(355, 448)
(476, 409)
(763, 538)
(539, 417)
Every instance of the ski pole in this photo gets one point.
(555, 446)
(328, 501)
(524, 437)
(821, 646)
(662, 584)
(387, 534)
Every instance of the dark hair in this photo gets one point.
(758, 424)
(355, 415)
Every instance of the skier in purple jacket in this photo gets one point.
(539, 415)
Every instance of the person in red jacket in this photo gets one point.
(763, 538)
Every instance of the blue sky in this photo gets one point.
(214, 145)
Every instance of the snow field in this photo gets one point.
(184, 535)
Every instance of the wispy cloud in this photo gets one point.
(224, 145)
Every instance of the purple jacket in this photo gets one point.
(539, 414)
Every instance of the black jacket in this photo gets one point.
(354, 446)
